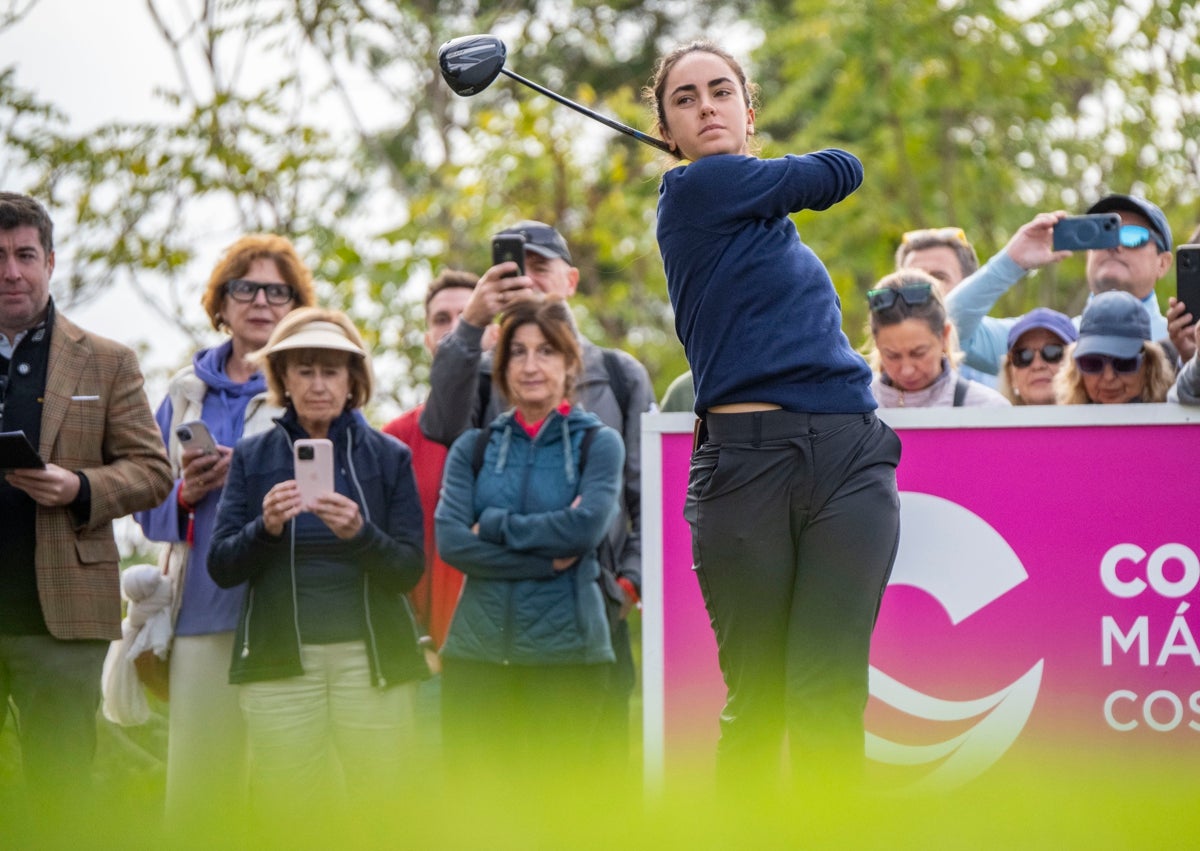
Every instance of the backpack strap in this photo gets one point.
(481, 442)
(583, 446)
(960, 391)
(616, 380)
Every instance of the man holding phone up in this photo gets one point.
(1135, 265)
(614, 386)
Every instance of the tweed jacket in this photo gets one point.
(95, 420)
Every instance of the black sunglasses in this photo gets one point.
(910, 294)
(277, 294)
(1094, 364)
(1051, 353)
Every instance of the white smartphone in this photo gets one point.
(313, 458)
(195, 435)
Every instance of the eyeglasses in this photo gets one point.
(1051, 353)
(910, 294)
(1135, 236)
(277, 294)
(936, 235)
(1094, 364)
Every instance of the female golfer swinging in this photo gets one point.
(792, 493)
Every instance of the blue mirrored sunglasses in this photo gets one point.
(1135, 236)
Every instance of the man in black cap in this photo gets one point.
(614, 386)
(1135, 265)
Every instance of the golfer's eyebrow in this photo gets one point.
(691, 87)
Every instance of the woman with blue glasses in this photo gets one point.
(1115, 361)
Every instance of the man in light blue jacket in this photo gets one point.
(1135, 266)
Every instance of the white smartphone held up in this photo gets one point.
(313, 459)
(195, 435)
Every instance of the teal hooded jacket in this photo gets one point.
(515, 608)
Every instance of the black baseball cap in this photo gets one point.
(1133, 204)
(541, 239)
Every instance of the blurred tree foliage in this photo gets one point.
(969, 112)
(979, 113)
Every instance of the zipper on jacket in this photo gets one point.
(295, 594)
(380, 680)
(372, 643)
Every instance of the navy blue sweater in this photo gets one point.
(755, 308)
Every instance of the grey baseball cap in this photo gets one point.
(1114, 324)
(541, 239)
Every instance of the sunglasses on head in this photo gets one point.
(1051, 353)
(1094, 364)
(277, 294)
(936, 234)
(910, 294)
(1135, 236)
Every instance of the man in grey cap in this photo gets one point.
(1134, 266)
(614, 386)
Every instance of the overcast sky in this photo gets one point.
(98, 62)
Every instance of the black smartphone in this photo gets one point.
(1187, 279)
(506, 247)
(1079, 233)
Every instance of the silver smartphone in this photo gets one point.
(195, 435)
(313, 459)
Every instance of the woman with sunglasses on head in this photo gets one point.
(1114, 360)
(790, 463)
(1036, 348)
(915, 348)
(258, 280)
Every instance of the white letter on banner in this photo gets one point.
(1191, 570)
(1180, 641)
(1108, 570)
(1194, 705)
(1139, 633)
(1176, 710)
(1122, 694)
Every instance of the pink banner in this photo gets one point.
(1046, 593)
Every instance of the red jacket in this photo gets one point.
(436, 594)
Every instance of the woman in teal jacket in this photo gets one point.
(521, 514)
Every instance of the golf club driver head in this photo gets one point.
(470, 63)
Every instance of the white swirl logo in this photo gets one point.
(964, 564)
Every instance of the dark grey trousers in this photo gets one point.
(795, 521)
(55, 686)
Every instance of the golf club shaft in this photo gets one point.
(603, 119)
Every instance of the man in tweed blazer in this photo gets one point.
(79, 397)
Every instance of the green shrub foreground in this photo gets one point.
(1057, 801)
